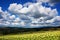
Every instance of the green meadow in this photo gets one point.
(39, 35)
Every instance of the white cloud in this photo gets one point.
(27, 4)
(22, 23)
(17, 20)
(50, 2)
(7, 22)
(24, 10)
(12, 17)
(43, 0)
(34, 15)
(50, 21)
(53, 13)
(58, 18)
(0, 9)
(15, 7)
(35, 21)
(14, 24)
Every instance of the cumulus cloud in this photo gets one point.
(50, 2)
(32, 14)
(12, 17)
(15, 7)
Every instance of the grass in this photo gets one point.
(44, 35)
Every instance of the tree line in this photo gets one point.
(15, 30)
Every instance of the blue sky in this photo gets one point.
(58, 7)
(5, 3)
(38, 13)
